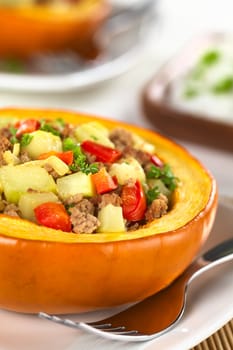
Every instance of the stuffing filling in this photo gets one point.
(83, 178)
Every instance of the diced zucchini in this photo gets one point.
(73, 184)
(30, 200)
(111, 219)
(58, 165)
(16, 180)
(42, 142)
(93, 131)
(130, 168)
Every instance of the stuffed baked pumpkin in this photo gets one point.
(31, 27)
(60, 269)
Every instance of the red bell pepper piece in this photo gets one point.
(26, 126)
(103, 182)
(133, 201)
(103, 153)
(67, 156)
(156, 161)
(53, 215)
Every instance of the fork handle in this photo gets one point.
(224, 249)
(218, 255)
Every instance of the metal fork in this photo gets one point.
(151, 311)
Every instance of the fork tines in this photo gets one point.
(98, 327)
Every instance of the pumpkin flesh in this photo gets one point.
(50, 270)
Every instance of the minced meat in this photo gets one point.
(83, 222)
(158, 208)
(109, 198)
(11, 210)
(121, 138)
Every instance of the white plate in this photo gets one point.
(123, 39)
(210, 306)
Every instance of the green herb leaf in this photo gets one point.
(154, 172)
(223, 86)
(190, 92)
(13, 131)
(14, 140)
(168, 178)
(165, 174)
(210, 57)
(49, 128)
(69, 144)
(80, 160)
(152, 194)
(25, 139)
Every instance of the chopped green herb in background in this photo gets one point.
(210, 57)
(190, 92)
(223, 86)
(197, 80)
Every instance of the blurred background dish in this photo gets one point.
(32, 27)
(191, 96)
(100, 40)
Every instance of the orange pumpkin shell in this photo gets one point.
(49, 270)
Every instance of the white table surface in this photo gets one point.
(120, 98)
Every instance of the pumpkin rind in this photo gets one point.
(41, 29)
(45, 269)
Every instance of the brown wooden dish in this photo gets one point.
(185, 124)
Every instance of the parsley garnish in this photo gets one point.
(80, 160)
(68, 144)
(25, 139)
(49, 128)
(164, 174)
(152, 194)
(80, 164)
(13, 131)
